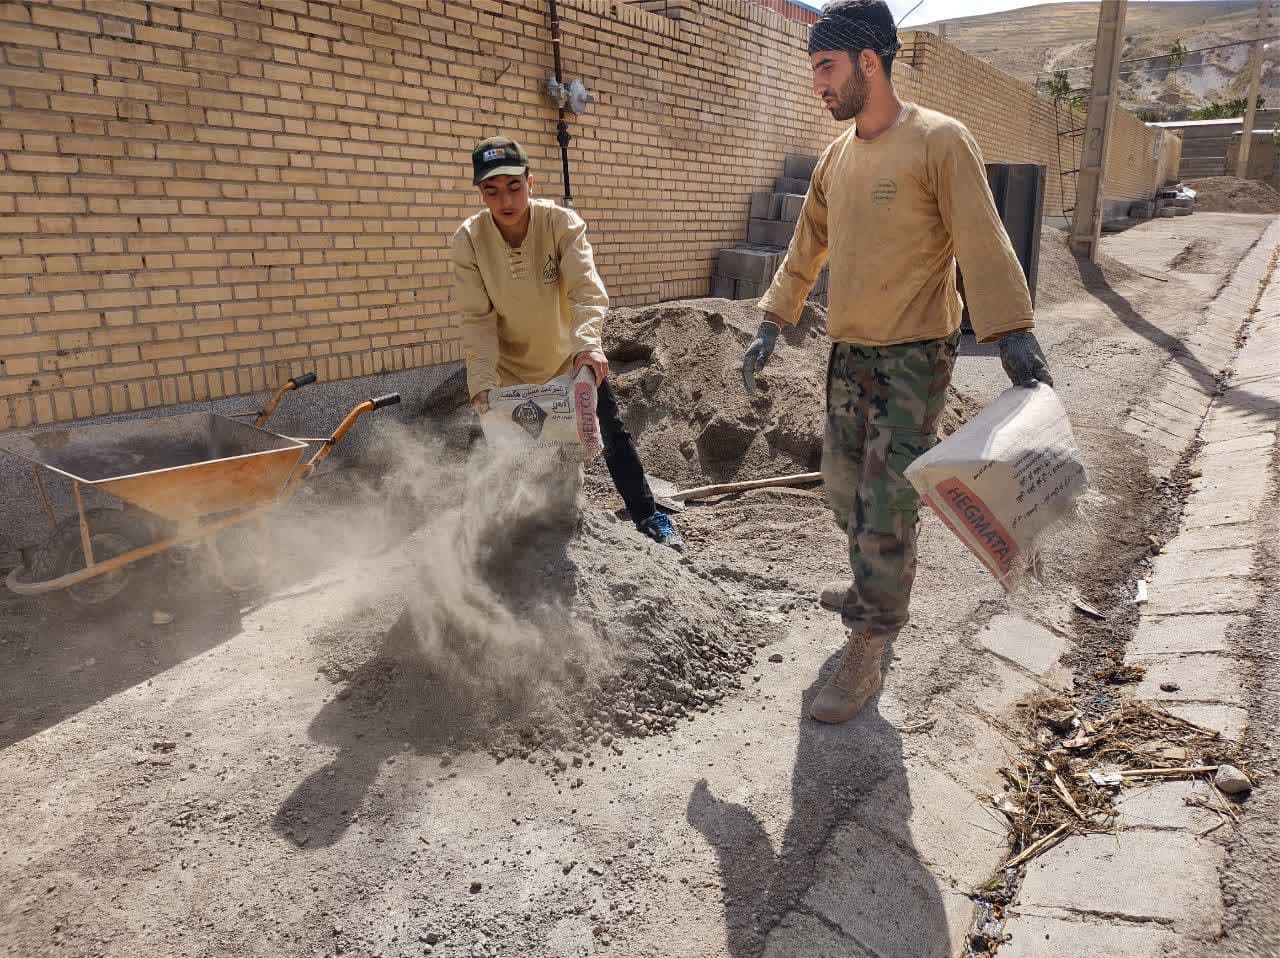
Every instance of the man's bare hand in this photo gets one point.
(480, 402)
(596, 360)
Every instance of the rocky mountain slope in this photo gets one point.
(1034, 42)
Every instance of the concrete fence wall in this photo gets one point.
(1264, 157)
(200, 197)
(1207, 144)
(1170, 144)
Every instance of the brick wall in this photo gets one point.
(1015, 125)
(200, 197)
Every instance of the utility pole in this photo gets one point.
(1255, 81)
(1086, 224)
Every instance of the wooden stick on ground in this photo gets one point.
(1168, 772)
(703, 492)
(1031, 851)
(1212, 828)
(1061, 786)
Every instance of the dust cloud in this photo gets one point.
(480, 594)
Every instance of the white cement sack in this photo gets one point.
(559, 416)
(1004, 478)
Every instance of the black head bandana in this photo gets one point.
(841, 33)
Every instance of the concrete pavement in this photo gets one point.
(1153, 889)
(748, 832)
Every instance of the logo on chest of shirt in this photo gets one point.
(551, 271)
(884, 192)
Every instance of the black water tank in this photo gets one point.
(1018, 189)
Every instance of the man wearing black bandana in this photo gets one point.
(894, 203)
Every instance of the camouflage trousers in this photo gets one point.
(883, 408)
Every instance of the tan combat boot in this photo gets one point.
(855, 680)
(832, 595)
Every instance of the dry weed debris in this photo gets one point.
(1072, 771)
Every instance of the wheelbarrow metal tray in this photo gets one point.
(178, 467)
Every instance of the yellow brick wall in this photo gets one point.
(1013, 124)
(200, 197)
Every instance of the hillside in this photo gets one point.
(1033, 42)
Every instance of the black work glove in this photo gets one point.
(758, 353)
(1023, 359)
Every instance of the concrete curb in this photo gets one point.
(1176, 411)
(951, 833)
(1153, 887)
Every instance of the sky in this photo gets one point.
(932, 10)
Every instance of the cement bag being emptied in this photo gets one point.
(1005, 477)
(558, 417)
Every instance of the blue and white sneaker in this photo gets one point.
(662, 530)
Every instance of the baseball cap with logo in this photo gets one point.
(498, 156)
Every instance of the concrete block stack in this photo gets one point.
(746, 270)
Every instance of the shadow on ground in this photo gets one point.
(1095, 283)
(846, 878)
(53, 667)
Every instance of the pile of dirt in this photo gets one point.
(677, 369)
(1230, 194)
(1063, 276)
(531, 627)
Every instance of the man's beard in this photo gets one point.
(852, 97)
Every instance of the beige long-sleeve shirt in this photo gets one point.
(893, 216)
(527, 311)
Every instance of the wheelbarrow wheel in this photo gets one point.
(112, 532)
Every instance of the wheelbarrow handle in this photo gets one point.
(326, 447)
(369, 405)
(297, 382)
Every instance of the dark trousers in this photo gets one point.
(620, 455)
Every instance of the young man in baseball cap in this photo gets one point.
(533, 308)
(894, 203)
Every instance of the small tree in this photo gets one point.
(1226, 109)
(1177, 55)
(1059, 87)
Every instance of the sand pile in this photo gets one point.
(533, 624)
(677, 369)
(1063, 276)
(1230, 194)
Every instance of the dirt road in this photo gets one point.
(210, 787)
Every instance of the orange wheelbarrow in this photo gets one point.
(183, 480)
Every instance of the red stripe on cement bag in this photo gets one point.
(584, 404)
(977, 525)
(559, 416)
(1004, 479)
